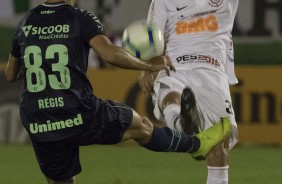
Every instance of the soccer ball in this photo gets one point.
(143, 41)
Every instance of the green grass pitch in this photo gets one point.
(131, 164)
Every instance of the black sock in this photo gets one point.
(168, 140)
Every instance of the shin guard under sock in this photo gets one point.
(168, 140)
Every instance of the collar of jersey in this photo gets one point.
(54, 4)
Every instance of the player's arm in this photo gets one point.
(13, 69)
(119, 57)
(146, 81)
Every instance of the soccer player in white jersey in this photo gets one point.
(199, 42)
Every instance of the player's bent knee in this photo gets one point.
(171, 98)
(140, 130)
(144, 132)
(147, 128)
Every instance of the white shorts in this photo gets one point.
(211, 89)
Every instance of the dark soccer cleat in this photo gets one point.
(188, 105)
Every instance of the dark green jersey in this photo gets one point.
(52, 41)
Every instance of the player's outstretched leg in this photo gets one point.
(188, 105)
(168, 140)
(211, 137)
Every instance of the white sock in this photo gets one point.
(217, 175)
(171, 117)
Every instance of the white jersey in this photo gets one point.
(197, 33)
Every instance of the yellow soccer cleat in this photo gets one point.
(211, 137)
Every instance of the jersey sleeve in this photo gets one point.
(15, 51)
(234, 6)
(158, 14)
(91, 26)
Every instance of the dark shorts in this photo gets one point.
(59, 160)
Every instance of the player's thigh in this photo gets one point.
(212, 95)
(110, 124)
(168, 91)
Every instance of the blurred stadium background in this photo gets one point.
(257, 101)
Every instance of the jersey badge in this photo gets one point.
(26, 30)
(216, 3)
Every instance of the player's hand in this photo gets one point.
(146, 81)
(162, 63)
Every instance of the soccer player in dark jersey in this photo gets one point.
(58, 108)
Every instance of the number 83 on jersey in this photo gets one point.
(36, 78)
